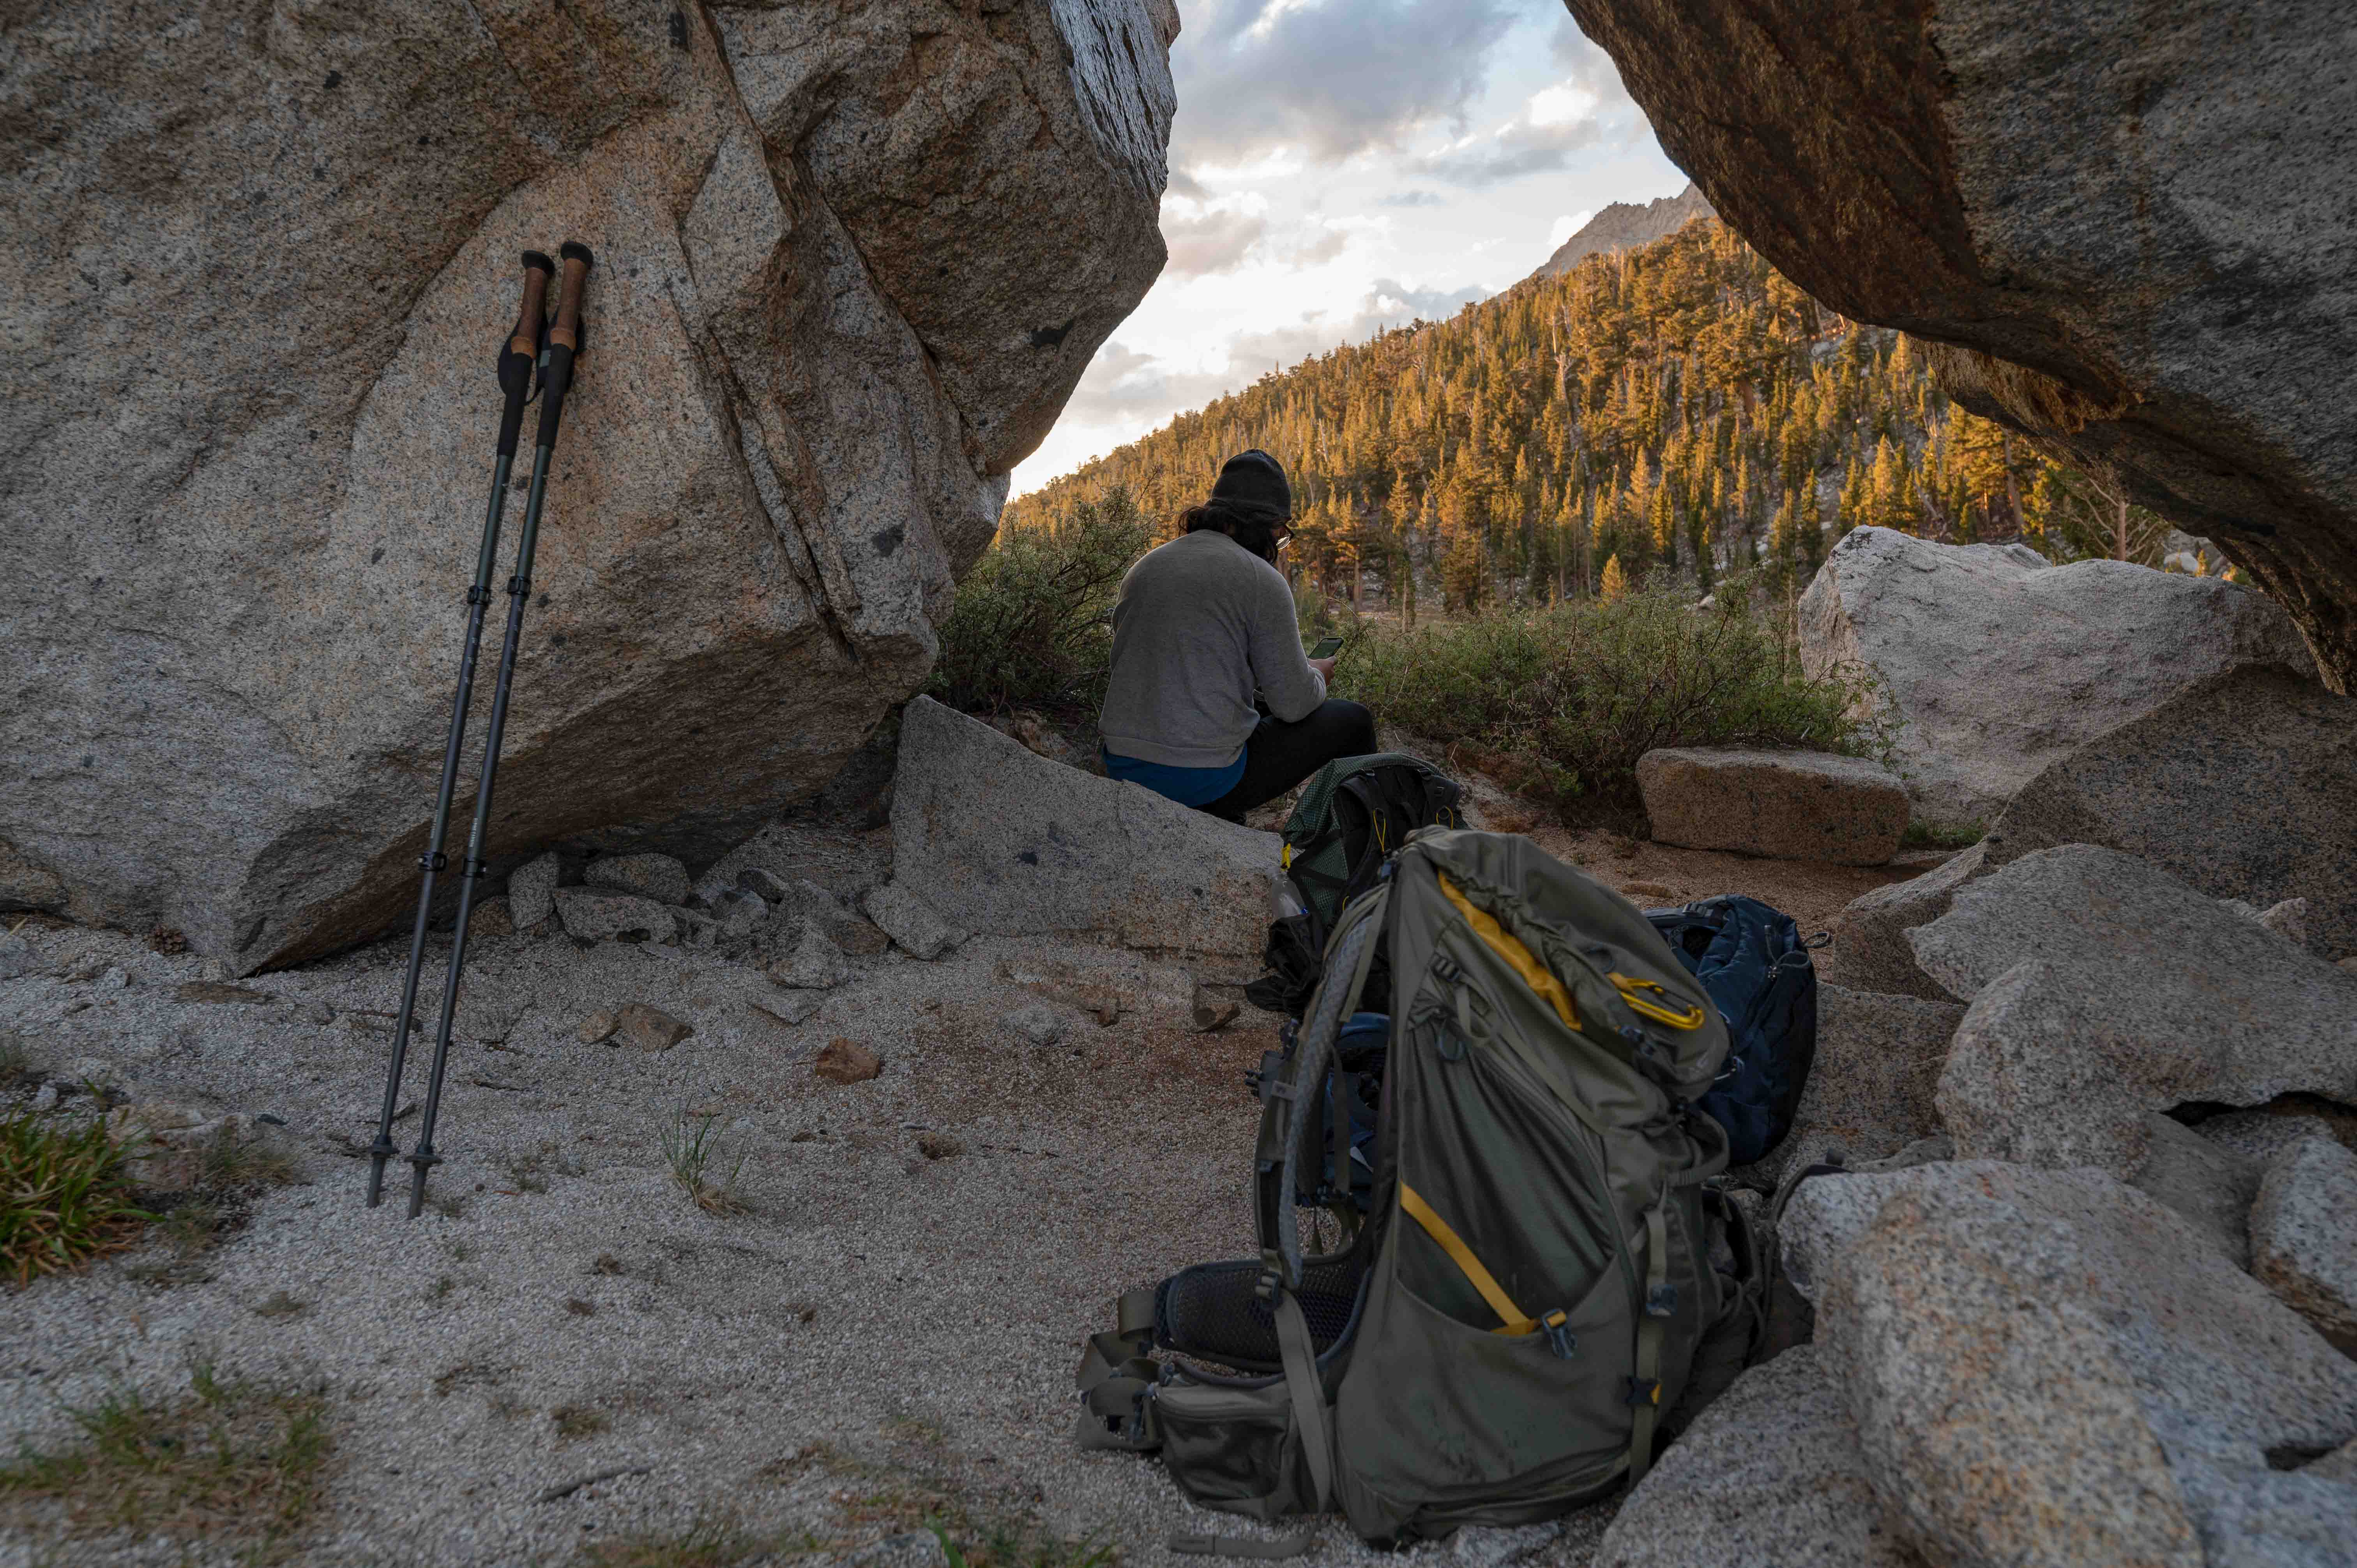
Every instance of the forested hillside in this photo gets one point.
(1674, 412)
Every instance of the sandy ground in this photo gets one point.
(879, 1336)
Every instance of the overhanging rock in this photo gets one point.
(1005, 843)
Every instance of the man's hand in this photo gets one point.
(1325, 667)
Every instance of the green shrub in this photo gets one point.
(1560, 703)
(65, 1194)
(1031, 626)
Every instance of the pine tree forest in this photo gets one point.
(1678, 414)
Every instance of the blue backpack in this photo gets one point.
(1753, 962)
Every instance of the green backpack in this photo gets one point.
(1535, 1286)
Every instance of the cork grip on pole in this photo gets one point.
(567, 331)
(537, 269)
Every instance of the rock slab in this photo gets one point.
(1785, 805)
(910, 922)
(2303, 1235)
(1771, 1473)
(849, 271)
(590, 915)
(2103, 988)
(2050, 1368)
(645, 1028)
(1990, 664)
(2244, 785)
(657, 877)
(1870, 950)
(1009, 842)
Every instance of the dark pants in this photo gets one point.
(1280, 755)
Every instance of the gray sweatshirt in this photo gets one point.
(1200, 622)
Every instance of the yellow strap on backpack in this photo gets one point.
(1508, 946)
(1462, 1256)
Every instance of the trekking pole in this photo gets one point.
(517, 357)
(563, 343)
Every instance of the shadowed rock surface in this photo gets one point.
(2128, 229)
(850, 265)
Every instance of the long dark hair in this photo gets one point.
(1249, 523)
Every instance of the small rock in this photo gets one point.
(647, 1028)
(2304, 1236)
(318, 1013)
(815, 964)
(115, 979)
(492, 918)
(598, 1026)
(845, 1061)
(2288, 919)
(213, 991)
(656, 876)
(45, 1097)
(910, 922)
(96, 1072)
(490, 1017)
(1648, 890)
(594, 916)
(532, 891)
(1491, 1546)
(939, 1145)
(738, 913)
(1207, 1017)
(1788, 805)
(1041, 1026)
(822, 913)
(17, 956)
(765, 884)
(697, 932)
(788, 1008)
(2349, 963)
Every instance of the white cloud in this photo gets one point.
(1567, 225)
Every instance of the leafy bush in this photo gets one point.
(1560, 703)
(65, 1194)
(1031, 626)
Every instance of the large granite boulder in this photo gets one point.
(1870, 950)
(1988, 663)
(259, 267)
(2243, 786)
(1786, 805)
(2103, 988)
(1770, 1472)
(2050, 1368)
(2126, 229)
(1004, 842)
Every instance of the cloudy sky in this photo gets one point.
(1339, 165)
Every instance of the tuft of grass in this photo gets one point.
(690, 1146)
(1559, 703)
(65, 1192)
(227, 1459)
(707, 1543)
(232, 1164)
(1923, 835)
(573, 1421)
(1030, 624)
(530, 1171)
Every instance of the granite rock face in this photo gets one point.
(2047, 1367)
(2124, 230)
(2244, 785)
(1787, 805)
(1991, 665)
(2103, 988)
(1870, 949)
(1770, 1472)
(849, 268)
(2303, 1235)
(1008, 842)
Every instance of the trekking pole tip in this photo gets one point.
(537, 261)
(574, 251)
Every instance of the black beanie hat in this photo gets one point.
(1256, 478)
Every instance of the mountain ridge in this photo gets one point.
(1624, 225)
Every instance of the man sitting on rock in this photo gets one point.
(1202, 623)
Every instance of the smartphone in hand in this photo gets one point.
(1326, 647)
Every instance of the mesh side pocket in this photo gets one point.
(1212, 1311)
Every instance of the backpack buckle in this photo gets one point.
(1644, 1391)
(1662, 1301)
(1560, 1339)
